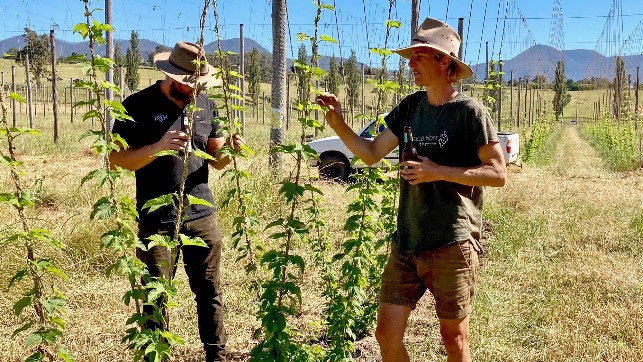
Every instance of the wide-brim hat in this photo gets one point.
(179, 65)
(441, 37)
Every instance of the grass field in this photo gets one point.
(561, 280)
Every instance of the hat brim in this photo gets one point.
(212, 79)
(465, 71)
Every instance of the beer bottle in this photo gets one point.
(184, 128)
(409, 153)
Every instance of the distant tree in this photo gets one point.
(159, 49)
(254, 76)
(119, 61)
(572, 86)
(352, 80)
(539, 81)
(133, 61)
(619, 87)
(334, 77)
(301, 76)
(561, 97)
(401, 75)
(39, 55)
(12, 53)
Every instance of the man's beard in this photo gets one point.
(177, 94)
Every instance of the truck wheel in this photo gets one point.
(333, 168)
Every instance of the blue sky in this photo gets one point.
(358, 22)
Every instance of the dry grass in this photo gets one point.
(561, 282)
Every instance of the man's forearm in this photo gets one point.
(133, 158)
(361, 147)
(483, 175)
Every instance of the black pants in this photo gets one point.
(202, 269)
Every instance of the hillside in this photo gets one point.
(579, 64)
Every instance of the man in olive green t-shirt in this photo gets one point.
(440, 214)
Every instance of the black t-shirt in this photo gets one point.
(435, 214)
(154, 114)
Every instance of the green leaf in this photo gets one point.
(37, 356)
(197, 201)
(17, 97)
(156, 289)
(302, 36)
(167, 153)
(157, 203)
(17, 277)
(82, 29)
(21, 329)
(159, 240)
(65, 356)
(203, 155)
(103, 209)
(329, 39)
(393, 24)
(194, 241)
(21, 304)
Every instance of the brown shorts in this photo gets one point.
(448, 272)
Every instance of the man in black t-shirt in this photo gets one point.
(435, 246)
(159, 112)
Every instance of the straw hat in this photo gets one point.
(439, 36)
(179, 65)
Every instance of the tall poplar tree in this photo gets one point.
(561, 97)
(334, 78)
(352, 80)
(133, 61)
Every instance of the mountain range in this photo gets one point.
(538, 59)
(579, 64)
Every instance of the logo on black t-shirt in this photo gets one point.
(160, 117)
(443, 139)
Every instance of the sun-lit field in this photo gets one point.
(561, 279)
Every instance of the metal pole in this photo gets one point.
(243, 81)
(54, 89)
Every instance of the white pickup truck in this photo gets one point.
(335, 158)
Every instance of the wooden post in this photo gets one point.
(511, 98)
(288, 102)
(461, 34)
(54, 75)
(636, 103)
(29, 100)
(499, 101)
(243, 81)
(363, 95)
(525, 110)
(120, 82)
(518, 105)
(13, 90)
(71, 99)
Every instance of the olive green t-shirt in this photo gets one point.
(434, 214)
